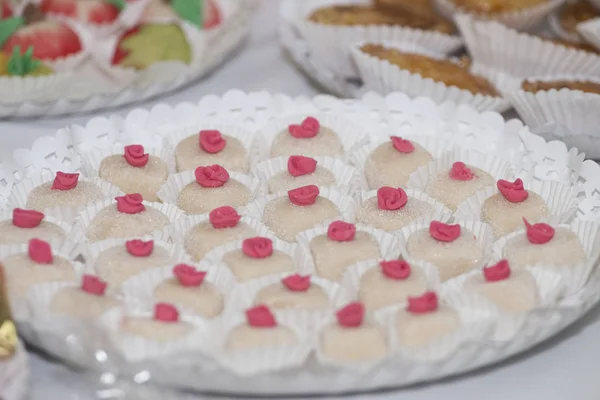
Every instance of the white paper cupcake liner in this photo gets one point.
(7, 215)
(346, 177)
(590, 30)
(573, 109)
(244, 297)
(128, 17)
(139, 289)
(14, 376)
(354, 273)
(344, 203)
(91, 160)
(20, 194)
(87, 215)
(250, 140)
(138, 349)
(476, 322)
(507, 326)
(521, 20)
(331, 44)
(576, 275)
(561, 200)
(495, 166)
(64, 249)
(436, 146)
(17, 89)
(482, 231)
(105, 49)
(215, 256)
(351, 134)
(180, 228)
(384, 77)
(170, 190)
(390, 246)
(556, 27)
(439, 213)
(91, 251)
(264, 359)
(521, 55)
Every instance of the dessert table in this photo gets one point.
(565, 367)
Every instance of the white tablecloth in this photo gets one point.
(563, 368)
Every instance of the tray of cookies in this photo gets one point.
(260, 244)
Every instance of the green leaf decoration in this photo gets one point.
(22, 64)
(120, 4)
(189, 10)
(9, 26)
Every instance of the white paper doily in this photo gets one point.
(486, 132)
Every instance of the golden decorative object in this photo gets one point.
(8, 330)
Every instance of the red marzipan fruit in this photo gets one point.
(50, 40)
(5, 9)
(212, 14)
(93, 11)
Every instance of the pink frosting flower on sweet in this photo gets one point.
(514, 192)
(93, 285)
(40, 251)
(258, 247)
(423, 304)
(64, 181)
(135, 156)
(300, 165)
(165, 312)
(390, 199)
(130, 203)
(340, 231)
(188, 276)
(304, 196)
(27, 218)
(212, 141)
(443, 232)
(539, 233)
(402, 145)
(139, 248)
(260, 317)
(351, 316)
(297, 283)
(309, 128)
(460, 172)
(498, 272)
(395, 269)
(212, 176)
(224, 217)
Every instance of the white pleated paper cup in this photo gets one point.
(576, 275)
(344, 203)
(21, 191)
(557, 28)
(179, 229)
(347, 178)
(170, 190)
(484, 236)
(245, 294)
(476, 322)
(91, 160)
(292, 250)
(390, 246)
(522, 20)
(561, 200)
(439, 211)
(140, 289)
(331, 44)
(590, 30)
(521, 55)
(350, 133)
(550, 289)
(497, 167)
(261, 360)
(91, 251)
(251, 141)
(436, 146)
(351, 282)
(573, 109)
(137, 348)
(88, 214)
(385, 77)
(16, 89)
(7, 215)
